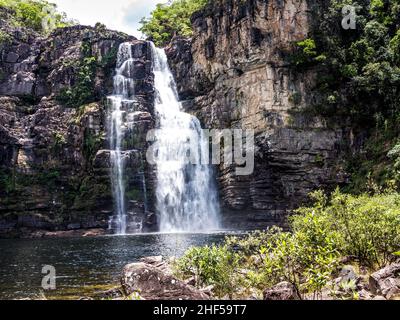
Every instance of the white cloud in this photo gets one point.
(121, 15)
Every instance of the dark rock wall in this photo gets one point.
(54, 164)
(234, 73)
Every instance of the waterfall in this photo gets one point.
(120, 103)
(186, 196)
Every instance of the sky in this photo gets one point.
(121, 15)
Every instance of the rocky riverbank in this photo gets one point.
(42, 234)
(153, 279)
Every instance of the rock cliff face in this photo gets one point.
(234, 73)
(54, 163)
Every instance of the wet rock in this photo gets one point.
(114, 293)
(191, 281)
(152, 283)
(347, 275)
(232, 74)
(386, 282)
(12, 57)
(102, 159)
(156, 260)
(35, 234)
(365, 295)
(379, 298)
(282, 291)
(74, 226)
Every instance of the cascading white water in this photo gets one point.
(186, 196)
(122, 98)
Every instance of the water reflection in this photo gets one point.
(83, 265)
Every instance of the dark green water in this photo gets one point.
(83, 265)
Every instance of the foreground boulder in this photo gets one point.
(282, 291)
(152, 280)
(386, 282)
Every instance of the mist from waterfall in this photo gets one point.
(187, 200)
(119, 102)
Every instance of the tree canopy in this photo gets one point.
(39, 15)
(172, 18)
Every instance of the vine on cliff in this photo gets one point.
(81, 92)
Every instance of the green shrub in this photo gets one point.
(39, 15)
(211, 265)
(366, 227)
(305, 258)
(251, 244)
(58, 143)
(170, 19)
(394, 154)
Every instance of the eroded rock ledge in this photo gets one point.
(152, 279)
(235, 73)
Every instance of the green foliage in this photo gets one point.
(44, 177)
(394, 46)
(7, 181)
(89, 192)
(306, 257)
(5, 38)
(306, 53)
(374, 167)
(359, 80)
(364, 227)
(11, 182)
(38, 15)
(110, 58)
(296, 98)
(134, 194)
(170, 19)
(91, 144)
(363, 63)
(82, 91)
(348, 290)
(395, 154)
(211, 265)
(251, 244)
(58, 143)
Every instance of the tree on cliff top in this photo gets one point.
(172, 18)
(38, 15)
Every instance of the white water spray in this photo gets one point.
(186, 196)
(120, 104)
